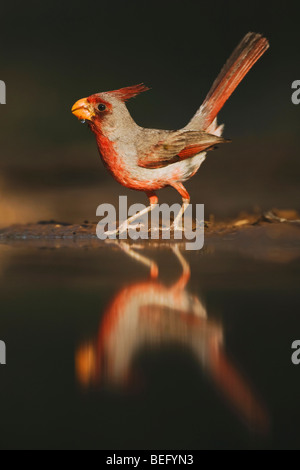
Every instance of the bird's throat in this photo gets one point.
(110, 157)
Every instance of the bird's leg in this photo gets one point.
(177, 224)
(126, 224)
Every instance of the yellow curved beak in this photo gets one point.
(82, 109)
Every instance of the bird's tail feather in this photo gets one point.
(246, 54)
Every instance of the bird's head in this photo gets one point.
(106, 110)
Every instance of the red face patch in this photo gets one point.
(97, 101)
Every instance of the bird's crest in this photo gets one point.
(128, 92)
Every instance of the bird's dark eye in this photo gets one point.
(101, 107)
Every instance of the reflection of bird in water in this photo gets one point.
(150, 314)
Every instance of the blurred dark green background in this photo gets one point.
(55, 53)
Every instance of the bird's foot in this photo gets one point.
(177, 228)
(123, 228)
(172, 228)
(109, 233)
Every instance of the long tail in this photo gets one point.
(250, 49)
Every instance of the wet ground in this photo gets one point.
(147, 346)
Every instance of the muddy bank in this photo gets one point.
(52, 230)
(273, 236)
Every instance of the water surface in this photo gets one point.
(123, 346)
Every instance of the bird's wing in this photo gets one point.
(177, 146)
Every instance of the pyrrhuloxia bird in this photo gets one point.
(151, 159)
